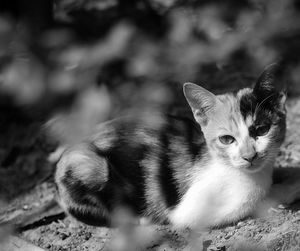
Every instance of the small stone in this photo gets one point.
(228, 236)
(25, 207)
(87, 236)
(260, 230)
(282, 206)
(63, 236)
(250, 222)
(248, 235)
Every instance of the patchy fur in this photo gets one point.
(211, 171)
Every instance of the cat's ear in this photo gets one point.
(267, 81)
(200, 100)
(269, 85)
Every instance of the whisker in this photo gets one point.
(261, 103)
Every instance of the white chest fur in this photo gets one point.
(220, 194)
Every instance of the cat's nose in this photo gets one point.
(250, 158)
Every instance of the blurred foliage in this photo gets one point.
(74, 63)
(85, 61)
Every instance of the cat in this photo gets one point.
(209, 171)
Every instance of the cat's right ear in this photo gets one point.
(200, 100)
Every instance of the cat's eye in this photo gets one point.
(226, 139)
(262, 130)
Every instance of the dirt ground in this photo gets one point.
(40, 221)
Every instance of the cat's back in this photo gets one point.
(148, 132)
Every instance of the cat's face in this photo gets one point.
(245, 129)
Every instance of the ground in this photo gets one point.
(40, 221)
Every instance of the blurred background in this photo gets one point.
(66, 65)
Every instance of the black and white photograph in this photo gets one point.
(149, 125)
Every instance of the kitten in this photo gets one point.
(209, 171)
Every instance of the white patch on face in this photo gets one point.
(234, 153)
(244, 91)
(243, 130)
(249, 121)
(262, 143)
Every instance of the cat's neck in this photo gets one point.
(263, 175)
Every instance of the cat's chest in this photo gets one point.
(219, 195)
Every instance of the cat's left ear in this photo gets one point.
(269, 85)
(200, 100)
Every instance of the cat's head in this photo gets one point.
(244, 129)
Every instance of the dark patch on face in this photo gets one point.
(252, 131)
(248, 103)
(265, 105)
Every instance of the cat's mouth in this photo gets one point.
(254, 166)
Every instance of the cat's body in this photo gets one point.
(150, 165)
(207, 172)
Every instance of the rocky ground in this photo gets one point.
(37, 218)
